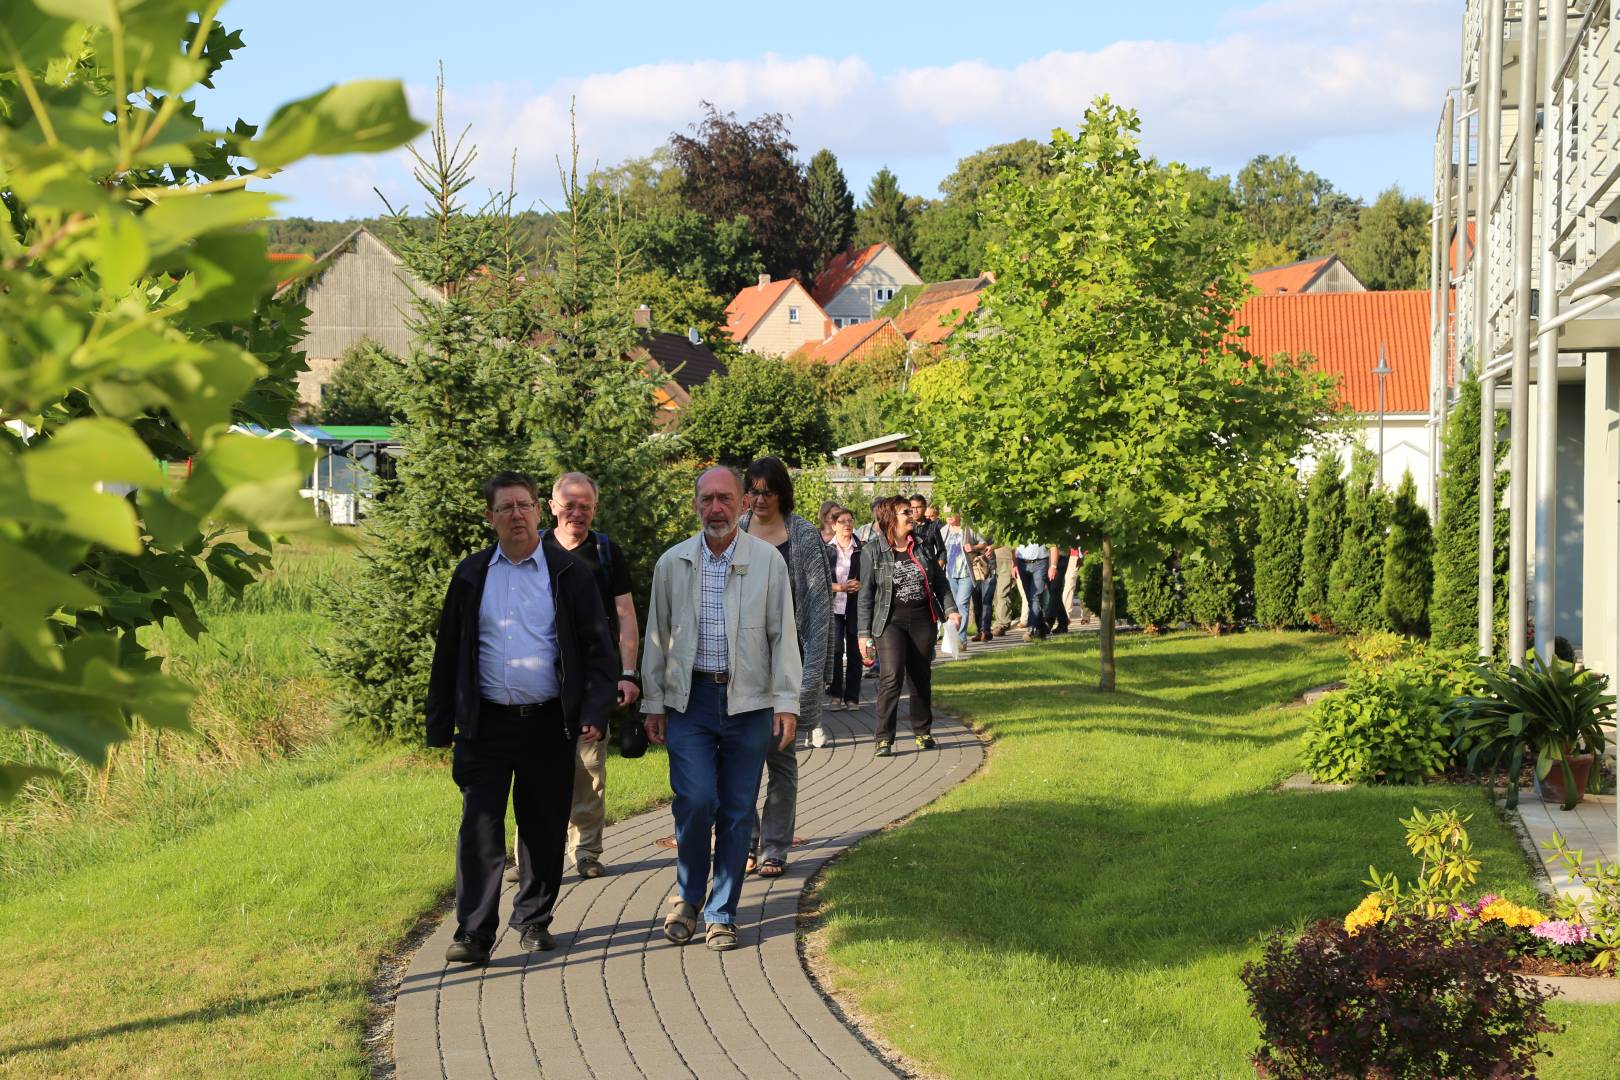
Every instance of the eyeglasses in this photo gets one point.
(906, 512)
(756, 493)
(515, 508)
(572, 508)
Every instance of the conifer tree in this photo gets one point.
(1408, 563)
(1155, 590)
(1211, 580)
(886, 215)
(1278, 555)
(1454, 609)
(1356, 581)
(829, 208)
(1324, 526)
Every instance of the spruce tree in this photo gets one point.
(886, 215)
(1454, 609)
(1324, 526)
(1409, 563)
(1356, 581)
(463, 415)
(1278, 555)
(829, 208)
(1155, 595)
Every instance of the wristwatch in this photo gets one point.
(631, 676)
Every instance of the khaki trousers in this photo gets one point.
(1006, 589)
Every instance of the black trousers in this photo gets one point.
(529, 759)
(906, 647)
(846, 680)
(1057, 616)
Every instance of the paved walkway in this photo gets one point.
(616, 1001)
(1589, 829)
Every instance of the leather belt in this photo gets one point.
(518, 712)
(720, 678)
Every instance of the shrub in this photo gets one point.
(1324, 526)
(1408, 563)
(1391, 723)
(1211, 587)
(1091, 588)
(1155, 595)
(1278, 555)
(1356, 582)
(1595, 907)
(1393, 1000)
(1454, 608)
(761, 406)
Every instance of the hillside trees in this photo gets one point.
(139, 323)
(1391, 245)
(1099, 357)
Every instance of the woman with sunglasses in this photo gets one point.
(903, 595)
(768, 490)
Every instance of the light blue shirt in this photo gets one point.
(713, 651)
(1031, 551)
(517, 632)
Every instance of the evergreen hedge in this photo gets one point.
(1356, 581)
(1324, 527)
(1091, 588)
(1408, 563)
(1156, 595)
(1454, 607)
(1279, 555)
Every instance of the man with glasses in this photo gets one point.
(522, 668)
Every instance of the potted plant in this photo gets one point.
(1553, 711)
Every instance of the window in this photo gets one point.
(883, 294)
(793, 314)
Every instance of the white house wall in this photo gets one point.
(1601, 484)
(886, 270)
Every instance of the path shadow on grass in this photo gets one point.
(204, 1014)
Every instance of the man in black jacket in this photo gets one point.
(522, 654)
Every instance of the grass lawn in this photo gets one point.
(1082, 906)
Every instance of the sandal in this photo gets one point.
(751, 865)
(720, 936)
(681, 922)
(772, 868)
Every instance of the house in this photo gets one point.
(683, 360)
(1345, 334)
(1326, 274)
(936, 312)
(855, 341)
(1536, 303)
(775, 317)
(854, 285)
(349, 459)
(359, 291)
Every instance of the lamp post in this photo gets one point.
(1382, 371)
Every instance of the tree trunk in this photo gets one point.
(1105, 637)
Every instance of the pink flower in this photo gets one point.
(1560, 931)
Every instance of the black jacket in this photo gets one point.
(877, 586)
(588, 661)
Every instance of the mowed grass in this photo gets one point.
(221, 905)
(1082, 907)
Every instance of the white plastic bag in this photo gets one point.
(951, 642)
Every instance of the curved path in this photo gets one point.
(616, 1001)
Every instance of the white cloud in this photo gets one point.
(1281, 77)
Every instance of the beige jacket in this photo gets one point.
(761, 641)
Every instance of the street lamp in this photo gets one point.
(1382, 371)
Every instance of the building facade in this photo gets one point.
(854, 286)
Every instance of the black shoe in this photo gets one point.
(590, 868)
(468, 950)
(537, 939)
(925, 742)
(883, 750)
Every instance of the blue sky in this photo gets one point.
(1353, 91)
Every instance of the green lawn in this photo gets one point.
(1082, 906)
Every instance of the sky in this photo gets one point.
(1353, 91)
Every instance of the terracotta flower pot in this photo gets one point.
(1552, 785)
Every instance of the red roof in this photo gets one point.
(748, 307)
(840, 269)
(288, 257)
(1289, 279)
(928, 322)
(1343, 332)
(854, 340)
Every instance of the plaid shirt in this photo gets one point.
(712, 652)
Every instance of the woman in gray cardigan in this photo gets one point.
(769, 492)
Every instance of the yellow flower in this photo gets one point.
(1510, 914)
(1368, 913)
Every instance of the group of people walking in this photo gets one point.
(754, 624)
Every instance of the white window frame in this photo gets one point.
(793, 313)
(882, 294)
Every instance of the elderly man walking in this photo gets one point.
(522, 667)
(721, 677)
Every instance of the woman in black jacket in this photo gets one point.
(903, 595)
(844, 557)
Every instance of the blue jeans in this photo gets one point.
(714, 766)
(962, 592)
(1033, 573)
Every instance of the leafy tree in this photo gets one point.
(829, 208)
(137, 323)
(1391, 248)
(1454, 609)
(865, 396)
(1409, 563)
(720, 256)
(885, 217)
(1289, 210)
(1155, 589)
(1356, 581)
(358, 392)
(1324, 530)
(762, 405)
(1095, 395)
(731, 169)
(976, 173)
(1279, 554)
(948, 237)
(679, 305)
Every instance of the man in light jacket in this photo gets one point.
(721, 673)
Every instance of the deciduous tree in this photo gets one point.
(1391, 247)
(762, 405)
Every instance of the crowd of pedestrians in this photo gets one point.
(756, 625)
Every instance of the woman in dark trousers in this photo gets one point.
(903, 595)
(844, 556)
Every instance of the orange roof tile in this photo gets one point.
(1291, 278)
(836, 274)
(752, 304)
(1343, 332)
(855, 339)
(923, 323)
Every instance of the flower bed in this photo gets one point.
(1537, 943)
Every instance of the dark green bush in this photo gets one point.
(1408, 563)
(1156, 596)
(1278, 555)
(1091, 588)
(1324, 526)
(1356, 582)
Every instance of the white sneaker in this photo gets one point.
(818, 736)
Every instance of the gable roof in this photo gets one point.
(688, 364)
(840, 269)
(1294, 277)
(853, 339)
(751, 305)
(1343, 332)
(930, 321)
(944, 290)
